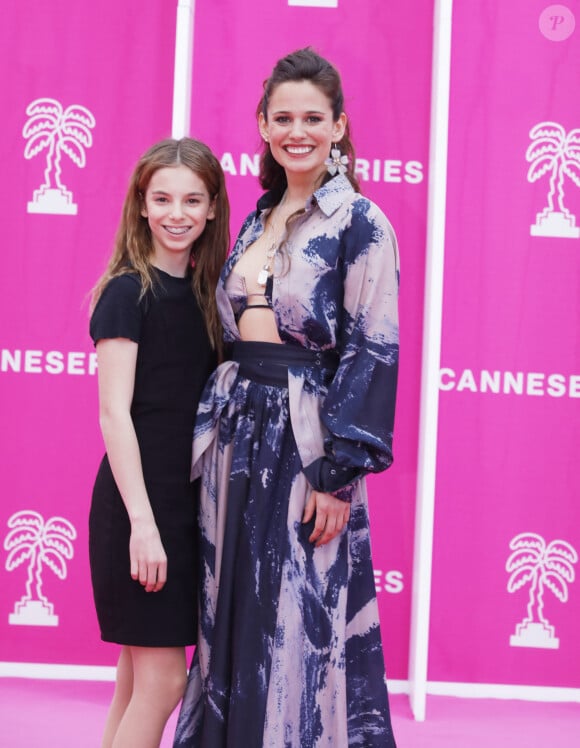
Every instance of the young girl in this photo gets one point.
(156, 329)
(290, 650)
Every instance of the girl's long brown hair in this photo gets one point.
(134, 245)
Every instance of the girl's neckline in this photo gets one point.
(165, 274)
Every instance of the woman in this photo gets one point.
(289, 652)
(156, 330)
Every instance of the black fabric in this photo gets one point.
(326, 476)
(118, 313)
(174, 360)
(268, 363)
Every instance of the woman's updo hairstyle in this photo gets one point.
(304, 65)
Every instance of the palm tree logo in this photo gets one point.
(57, 131)
(556, 152)
(41, 544)
(543, 567)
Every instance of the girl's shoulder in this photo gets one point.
(126, 287)
(128, 281)
(119, 306)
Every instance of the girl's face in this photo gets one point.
(300, 128)
(177, 206)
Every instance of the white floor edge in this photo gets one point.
(503, 691)
(43, 671)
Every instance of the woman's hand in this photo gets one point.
(332, 516)
(147, 555)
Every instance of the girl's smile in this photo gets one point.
(177, 206)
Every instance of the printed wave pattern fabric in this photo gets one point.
(290, 652)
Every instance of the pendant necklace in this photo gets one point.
(264, 272)
(267, 266)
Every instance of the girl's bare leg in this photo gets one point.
(121, 696)
(159, 676)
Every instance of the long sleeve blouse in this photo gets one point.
(335, 287)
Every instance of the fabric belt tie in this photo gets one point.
(268, 363)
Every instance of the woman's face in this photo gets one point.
(300, 128)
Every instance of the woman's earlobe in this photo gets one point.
(263, 128)
(340, 127)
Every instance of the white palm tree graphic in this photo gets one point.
(58, 131)
(554, 151)
(543, 567)
(41, 544)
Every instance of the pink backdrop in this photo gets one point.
(117, 62)
(506, 461)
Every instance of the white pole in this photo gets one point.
(425, 499)
(181, 120)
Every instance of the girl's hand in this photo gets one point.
(147, 555)
(117, 362)
(332, 516)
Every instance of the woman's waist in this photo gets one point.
(268, 363)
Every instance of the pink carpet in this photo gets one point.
(67, 714)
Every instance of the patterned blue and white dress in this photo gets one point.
(289, 652)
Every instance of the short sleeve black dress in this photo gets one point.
(174, 361)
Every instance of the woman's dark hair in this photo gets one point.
(304, 65)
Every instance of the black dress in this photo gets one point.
(173, 362)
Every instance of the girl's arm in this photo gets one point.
(117, 359)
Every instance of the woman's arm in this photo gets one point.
(117, 359)
(358, 410)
